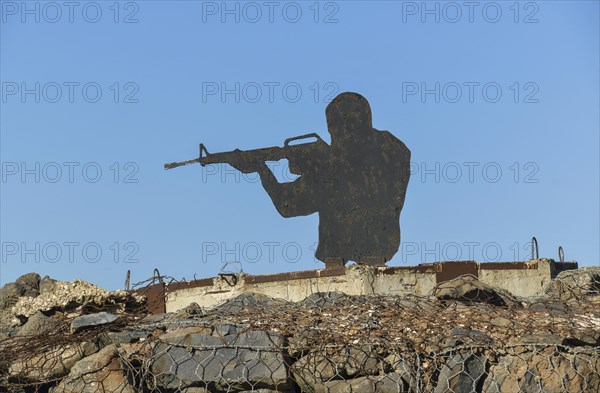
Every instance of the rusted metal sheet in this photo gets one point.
(302, 275)
(508, 265)
(204, 282)
(357, 184)
(389, 270)
(155, 298)
(445, 271)
(557, 267)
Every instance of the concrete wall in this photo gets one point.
(293, 290)
(520, 278)
(524, 281)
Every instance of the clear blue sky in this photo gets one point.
(517, 91)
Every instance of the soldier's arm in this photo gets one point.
(399, 155)
(291, 199)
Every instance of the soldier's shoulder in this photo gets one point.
(392, 139)
(386, 134)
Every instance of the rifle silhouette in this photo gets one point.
(247, 159)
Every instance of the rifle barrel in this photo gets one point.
(172, 165)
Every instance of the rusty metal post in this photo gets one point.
(561, 254)
(535, 254)
(128, 280)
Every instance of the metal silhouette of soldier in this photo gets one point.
(358, 192)
(357, 184)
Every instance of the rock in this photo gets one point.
(47, 285)
(388, 383)
(173, 324)
(181, 336)
(94, 362)
(544, 370)
(225, 329)
(500, 322)
(394, 382)
(9, 295)
(38, 323)
(545, 338)
(324, 299)
(575, 284)
(155, 321)
(7, 327)
(168, 322)
(252, 359)
(404, 370)
(469, 289)
(362, 360)
(313, 369)
(55, 363)
(554, 307)
(574, 339)
(354, 361)
(299, 344)
(263, 391)
(30, 283)
(247, 301)
(461, 374)
(195, 389)
(582, 338)
(193, 309)
(471, 336)
(90, 320)
(100, 372)
(126, 337)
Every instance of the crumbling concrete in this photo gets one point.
(519, 278)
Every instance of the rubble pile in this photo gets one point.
(31, 304)
(62, 295)
(465, 337)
